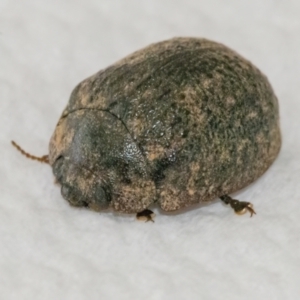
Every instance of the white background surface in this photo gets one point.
(49, 250)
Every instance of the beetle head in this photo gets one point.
(94, 158)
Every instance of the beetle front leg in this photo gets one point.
(145, 215)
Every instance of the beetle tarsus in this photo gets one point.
(240, 207)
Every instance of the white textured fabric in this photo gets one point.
(49, 250)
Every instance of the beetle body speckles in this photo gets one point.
(179, 122)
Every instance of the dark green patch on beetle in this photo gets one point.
(180, 122)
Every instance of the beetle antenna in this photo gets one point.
(43, 159)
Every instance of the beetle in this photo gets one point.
(180, 122)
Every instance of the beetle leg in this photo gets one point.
(145, 215)
(240, 207)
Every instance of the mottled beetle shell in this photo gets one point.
(179, 122)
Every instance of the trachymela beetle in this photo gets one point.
(179, 122)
